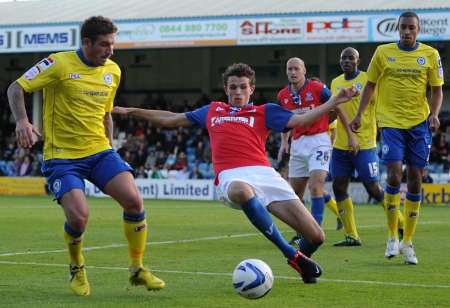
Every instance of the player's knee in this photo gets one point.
(78, 221)
(316, 190)
(339, 190)
(318, 237)
(394, 179)
(240, 192)
(133, 204)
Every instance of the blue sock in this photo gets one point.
(261, 219)
(307, 247)
(317, 208)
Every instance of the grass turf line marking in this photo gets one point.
(332, 280)
(208, 238)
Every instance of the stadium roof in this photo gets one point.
(68, 11)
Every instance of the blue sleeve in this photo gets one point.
(198, 116)
(277, 117)
(325, 94)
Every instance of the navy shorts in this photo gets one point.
(64, 175)
(410, 145)
(344, 163)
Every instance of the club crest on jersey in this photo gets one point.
(391, 59)
(219, 109)
(420, 60)
(108, 79)
(309, 97)
(285, 101)
(358, 86)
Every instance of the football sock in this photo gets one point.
(317, 208)
(412, 206)
(262, 220)
(392, 209)
(331, 204)
(347, 215)
(135, 229)
(306, 247)
(74, 242)
(401, 219)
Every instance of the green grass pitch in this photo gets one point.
(194, 246)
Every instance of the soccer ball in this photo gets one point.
(252, 278)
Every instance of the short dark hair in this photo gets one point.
(409, 14)
(239, 70)
(95, 26)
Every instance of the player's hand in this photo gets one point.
(120, 110)
(284, 149)
(26, 134)
(354, 145)
(346, 94)
(434, 123)
(355, 124)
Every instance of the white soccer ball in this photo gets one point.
(252, 278)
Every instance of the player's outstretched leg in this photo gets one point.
(135, 229)
(260, 217)
(78, 279)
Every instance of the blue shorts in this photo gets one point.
(64, 175)
(409, 145)
(344, 163)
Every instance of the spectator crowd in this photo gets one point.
(156, 153)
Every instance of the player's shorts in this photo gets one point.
(309, 153)
(410, 145)
(63, 175)
(268, 184)
(343, 163)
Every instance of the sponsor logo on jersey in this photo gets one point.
(41, 66)
(219, 109)
(108, 79)
(245, 120)
(421, 60)
(74, 76)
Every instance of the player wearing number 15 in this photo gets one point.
(402, 72)
(79, 90)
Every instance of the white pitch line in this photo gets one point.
(370, 282)
(208, 238)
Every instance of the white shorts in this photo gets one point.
(309, 153)
(268, 184)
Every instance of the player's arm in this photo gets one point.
(26, 134)
(352, 140)
(109, 127)
(436, 103)
(284, 146)
(366, 97)
(306, 119)
(159, 118)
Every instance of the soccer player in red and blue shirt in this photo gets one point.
(244, 177)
